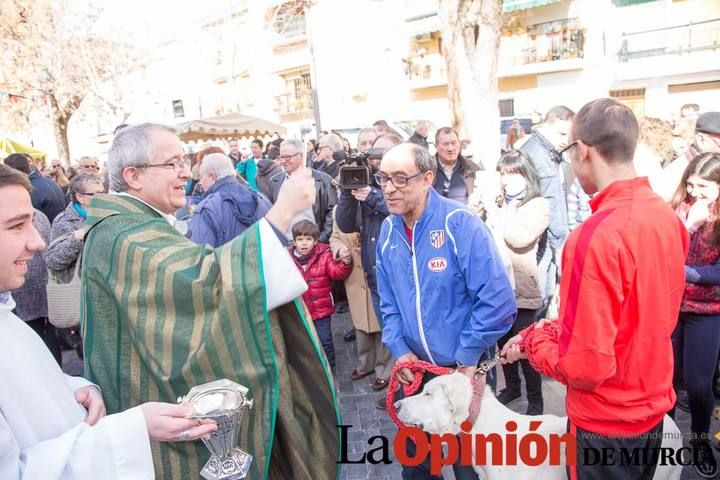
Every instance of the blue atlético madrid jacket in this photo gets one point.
(445, 296)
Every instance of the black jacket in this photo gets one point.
(325, 201)
(47, 196)
(418, 139)
(368, 222)
(332, 169)
(235, 161)
(266, 170)
(462, 183)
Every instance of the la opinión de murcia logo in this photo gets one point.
(502, 449)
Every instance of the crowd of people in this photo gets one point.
(588, 251)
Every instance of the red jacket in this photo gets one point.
(700, 299)
(318, 273)
(622, 281)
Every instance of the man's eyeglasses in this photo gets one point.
(398, 181)
(94, 167)
(572, 144)
(288, 157)
(178, 165)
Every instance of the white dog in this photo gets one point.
(444, 404)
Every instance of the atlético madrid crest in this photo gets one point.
(437, 238)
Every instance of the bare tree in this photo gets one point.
(470, 41)
(50, 52)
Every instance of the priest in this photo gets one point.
(161, 314)
(53, 426)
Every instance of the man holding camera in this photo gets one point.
(363, 210)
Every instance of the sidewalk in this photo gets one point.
(358, 409)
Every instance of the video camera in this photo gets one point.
(356, 173)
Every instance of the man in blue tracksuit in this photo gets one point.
(444, 293)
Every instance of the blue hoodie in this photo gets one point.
(444, 296)
(226, 211)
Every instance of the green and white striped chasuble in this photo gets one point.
(161, 314)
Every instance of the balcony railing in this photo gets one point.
(427, 69)
(675, 40)
(292, 103)
(546, 42)
(290, 27)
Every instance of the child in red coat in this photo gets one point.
(317, 265)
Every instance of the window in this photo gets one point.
(178, 109)
(507, 107)
(298, 91)
(301, 85)
(633, 98)
(289, 20)
(628, 93)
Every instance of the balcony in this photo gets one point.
(674, 50)
(543, 48)
(426, 70)
(289, 29)
(677, 40)
(294, 106)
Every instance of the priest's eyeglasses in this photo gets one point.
(178, 165)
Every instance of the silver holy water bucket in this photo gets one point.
(225, 402)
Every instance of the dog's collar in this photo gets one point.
(479, 387)
(477, 395)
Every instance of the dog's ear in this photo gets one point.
(448, 395)
(459, 392)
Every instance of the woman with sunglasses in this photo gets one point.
(66, 239)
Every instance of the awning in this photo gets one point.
(226, 126)
(430, 22)
(512, 5)
(422, 25)
(8, 147)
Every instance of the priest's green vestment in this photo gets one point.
(161, 314)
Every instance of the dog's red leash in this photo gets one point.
(418, 369)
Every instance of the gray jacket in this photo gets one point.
(61, 255)
(31, 298)
(547, 161)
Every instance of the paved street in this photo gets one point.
(358, 409)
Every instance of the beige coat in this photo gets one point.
(358, 293)
(521, 229)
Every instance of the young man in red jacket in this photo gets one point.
(622, 281)
(316, 263)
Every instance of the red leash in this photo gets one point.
(418, 369)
